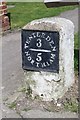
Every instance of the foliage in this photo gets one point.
(12, 105)
(22, 13)
(72, 106)
(76, 52)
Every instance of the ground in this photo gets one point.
(21, 101)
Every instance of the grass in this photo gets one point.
(22, 13)
(23, 89)
(76, 52)
(26, 109)
(73, 107)
(76, 42)
(12, 105)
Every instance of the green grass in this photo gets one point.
(23, 13)
(76, 52)
(12, 105)
(76, 42)
(26, 109)
(23, 89)
(72, 106)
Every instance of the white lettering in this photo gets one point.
(48, 38)
(32, 62)
(43, 64)
(38, 34)
(52, 56)
(34, 35)
(47, 63)
(27, 53)
(39, 58)
(43, 35)
(39, 44)
(29, 58)
(54, 49)
(37, 64)
(51, 46)
(30, 37)
(27, 41)
(25, 46)
(52, 42)
(51, 61)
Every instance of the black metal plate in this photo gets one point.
(40, 50)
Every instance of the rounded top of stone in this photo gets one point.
(52, 23)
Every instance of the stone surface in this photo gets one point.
(73, 16)
(8, 113)
(13, 98)
(50, 85)
(42, 114)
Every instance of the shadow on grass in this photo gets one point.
(76, 60)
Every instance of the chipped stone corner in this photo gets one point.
(49, 85)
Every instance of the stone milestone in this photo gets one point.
(48, 59)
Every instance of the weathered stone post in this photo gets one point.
(48, 57)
